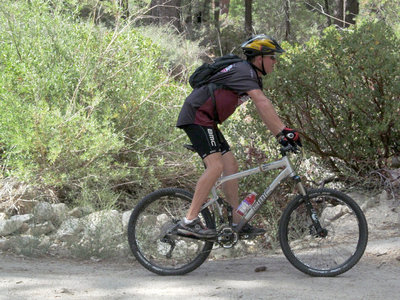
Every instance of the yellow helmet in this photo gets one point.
(259, 45)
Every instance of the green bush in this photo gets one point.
(83, 109)
(342, 92)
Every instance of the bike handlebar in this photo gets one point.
(289, 148)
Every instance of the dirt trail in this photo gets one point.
(376, 276)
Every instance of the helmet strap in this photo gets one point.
(262, 71)
(262, 64)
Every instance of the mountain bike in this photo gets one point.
(322, 232)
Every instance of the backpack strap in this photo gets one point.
(212, 87)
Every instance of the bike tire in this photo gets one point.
(148, 221)
(346, 240)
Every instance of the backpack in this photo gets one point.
(202, 74)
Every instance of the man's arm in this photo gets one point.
(266, 111)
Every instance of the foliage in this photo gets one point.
(178, 55)
(387, 11)
(342, 92)
(269, 18)
(79, 104)
(89, 103)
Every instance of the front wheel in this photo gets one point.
(151, 237)
(326, 238)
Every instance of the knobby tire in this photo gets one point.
(153, 215)
(333, 254)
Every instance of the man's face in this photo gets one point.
(269, 62)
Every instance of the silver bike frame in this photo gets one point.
(287, 171)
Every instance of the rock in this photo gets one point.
(103, 228)
(3, 216)
(108, 220)
(238, 250)
(79, 212)
(123, 250)
(3, 244)
(66, 291)
(45, 242)
(10, 226)
(369, 203)
(24, 228)
(95, 235)
(383, 196)
(40, 229)
(162, 219)
(260, 269)
(332, 213)
(60, 213)
(69, 230)
(125, 219)
(75, 212)
(24, 244)
(24, 218)
(43, 212)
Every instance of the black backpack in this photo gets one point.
(202, 75)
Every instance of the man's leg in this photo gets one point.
(214, 168)
(231, 187)
(231, 190)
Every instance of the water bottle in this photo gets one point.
(244, 207)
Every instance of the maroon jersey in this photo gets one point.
(237, 79)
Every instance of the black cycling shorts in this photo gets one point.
(206, 140)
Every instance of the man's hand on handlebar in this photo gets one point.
(289, 136)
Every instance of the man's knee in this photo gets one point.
(234, 166)
(214, 163)
(216, 167)
(230, 164)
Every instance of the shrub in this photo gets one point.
(342, 92)
(84, 108)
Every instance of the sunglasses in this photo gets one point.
(273, 57)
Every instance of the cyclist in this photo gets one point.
(240, 82)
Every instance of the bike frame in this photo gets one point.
(288, 171)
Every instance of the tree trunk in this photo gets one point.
(166, 12)
(248, 22)
(328, 11)
(224, 6)
(216, 15)
(352, 9)
(206, 11)
(345, 12)
(286, 5)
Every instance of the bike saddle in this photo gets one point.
(189, 147)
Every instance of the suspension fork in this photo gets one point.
(310, 209)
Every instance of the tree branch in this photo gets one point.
(321, 11)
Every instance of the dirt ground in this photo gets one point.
(376, 276)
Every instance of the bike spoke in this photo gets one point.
(154, 241)
(316, 253)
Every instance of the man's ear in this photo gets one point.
(257, 59)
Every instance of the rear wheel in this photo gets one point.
(152, 238)
(336, 246)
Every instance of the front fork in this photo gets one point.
(321, 232)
